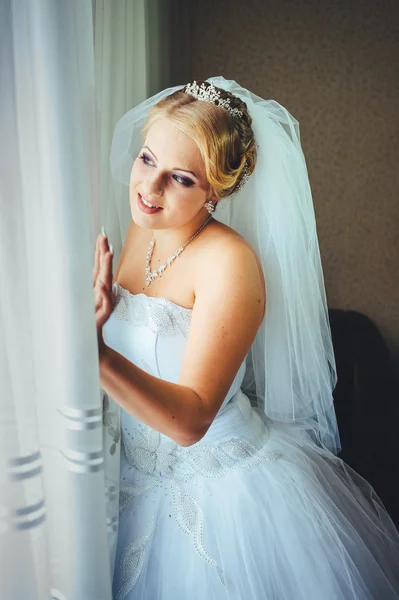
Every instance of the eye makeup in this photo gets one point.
(147, 160)
(185, 181)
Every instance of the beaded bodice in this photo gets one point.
(152, 333)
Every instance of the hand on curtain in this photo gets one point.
(102, 284)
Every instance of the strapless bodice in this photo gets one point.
(152, 333)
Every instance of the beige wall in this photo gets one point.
(335, 66)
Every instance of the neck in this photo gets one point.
(169, 240)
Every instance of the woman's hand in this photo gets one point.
(102, 284)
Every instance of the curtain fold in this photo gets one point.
(68, 71)
(53, 532)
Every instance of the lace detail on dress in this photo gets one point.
(159, 456)
(190, 518)
(167, 463)
(160, 315)
(133, 560)
(129, 492)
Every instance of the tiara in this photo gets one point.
(211, 94)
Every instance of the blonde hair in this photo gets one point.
(226, 142)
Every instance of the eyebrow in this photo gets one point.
(175, 168)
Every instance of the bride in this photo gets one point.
(217, 368)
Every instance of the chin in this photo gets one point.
(140, 219)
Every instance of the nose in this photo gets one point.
(154, 186)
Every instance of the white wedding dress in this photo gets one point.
(253, 511)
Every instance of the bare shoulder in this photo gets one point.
(229, 307)
(230, 268)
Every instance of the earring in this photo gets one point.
(210, 207)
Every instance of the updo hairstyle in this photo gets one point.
(226, 142)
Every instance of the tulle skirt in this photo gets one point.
(283, 521)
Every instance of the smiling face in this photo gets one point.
(168, 173)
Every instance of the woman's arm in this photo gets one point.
(170, 408)
(228, 311)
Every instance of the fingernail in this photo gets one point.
(111, 249)
(103, 231)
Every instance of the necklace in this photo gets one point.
(151, 275)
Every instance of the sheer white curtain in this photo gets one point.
(53, 531)
(61, 96)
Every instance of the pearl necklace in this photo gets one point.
(151, 275)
